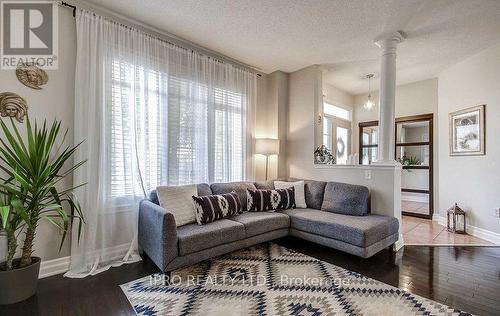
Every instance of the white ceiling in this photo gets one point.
(288, 35)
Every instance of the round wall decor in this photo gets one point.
(13, 105)
(31, 76)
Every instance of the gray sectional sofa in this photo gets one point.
(337, 216)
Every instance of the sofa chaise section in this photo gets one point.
(359, 235)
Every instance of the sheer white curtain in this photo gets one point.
(150, 113)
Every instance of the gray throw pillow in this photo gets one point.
(239, 187)
(347, 199)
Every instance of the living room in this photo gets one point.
(250, 157)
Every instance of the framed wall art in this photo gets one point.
(467, 132)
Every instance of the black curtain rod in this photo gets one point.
(65, 4)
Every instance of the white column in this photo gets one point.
(387, 108)
(388, 44)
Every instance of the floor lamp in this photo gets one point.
(267, 147)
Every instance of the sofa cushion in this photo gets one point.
(257, 223)
(177, 199)
(194, 237)
(361, 231)
(239, 187)
(300, 198)
(202, 188)
(348, 199)
(266, 200)
(264, 185)
(314, 191)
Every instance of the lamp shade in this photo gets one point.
(267, 146)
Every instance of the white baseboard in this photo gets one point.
(61, 265)
(473, 230)
(440, 219)
(484, 234)
(400, 243)
(54, 267)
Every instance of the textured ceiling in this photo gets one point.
(288, 35)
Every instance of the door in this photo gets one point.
(337, 137)
(414, 149)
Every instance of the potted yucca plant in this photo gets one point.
(31, 171)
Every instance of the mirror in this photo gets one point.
(413, 138)
(412, 132)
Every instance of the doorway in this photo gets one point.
(337, 131)
(414, 149)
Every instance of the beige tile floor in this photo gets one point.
(418, 231)
(415, 207)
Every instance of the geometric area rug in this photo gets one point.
(269, 279)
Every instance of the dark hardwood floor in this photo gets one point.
(467, 278)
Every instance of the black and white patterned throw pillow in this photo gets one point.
(210, 208)
(265, 200)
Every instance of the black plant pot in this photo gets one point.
(19, 284)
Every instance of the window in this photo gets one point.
(327, 132)
(332, 110)
(229, 140)
(164, 129)
(337, 131)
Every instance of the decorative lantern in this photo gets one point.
(456, 220)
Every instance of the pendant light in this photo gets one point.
(369, 103)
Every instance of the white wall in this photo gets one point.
(54, 101)
(411, 99)
(304, 89)
(261, 129)
(272, 104)
(336, 96)
(472, 182)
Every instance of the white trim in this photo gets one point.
(400, 243)
(54, 267)
(484, 234)
(473, 230)
(61, 265)
(440, 219)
